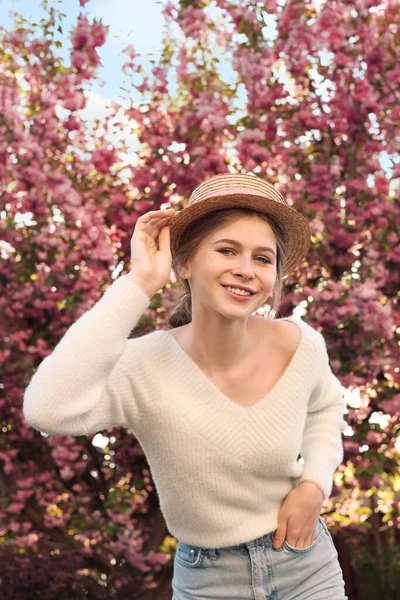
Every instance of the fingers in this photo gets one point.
(155, 215)
(152, 213)
(155, 229)
(153, 221)
(280, 533)
(164, 242)
(162, 222)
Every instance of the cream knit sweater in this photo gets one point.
(221, 470)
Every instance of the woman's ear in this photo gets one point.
(183, 271)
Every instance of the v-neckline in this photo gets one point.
(207, 382)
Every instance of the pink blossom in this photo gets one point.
(104, 158)
(99, 33)
(73, 197)
(391, 406)
(74, 100)
(373, 437)
(23, 495)
(193, 21)
(382, 184)
(82, 33)
(27, 541)
(15, 508)
(357, 183)
(351, 447)
(67, 473)
(79, 58)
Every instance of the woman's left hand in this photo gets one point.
(298, 516)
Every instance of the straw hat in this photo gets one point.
(247, 190)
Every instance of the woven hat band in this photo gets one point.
(237, 190)
(221, 185)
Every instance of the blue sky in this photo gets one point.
(137, 22)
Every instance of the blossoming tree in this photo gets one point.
(311, 102)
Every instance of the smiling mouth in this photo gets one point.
(245, 295)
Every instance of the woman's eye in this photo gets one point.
(263, 258)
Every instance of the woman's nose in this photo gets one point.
(244, 267)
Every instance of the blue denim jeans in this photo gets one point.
(257, 571)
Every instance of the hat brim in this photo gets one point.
(295, 228)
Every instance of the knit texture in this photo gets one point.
(221, 470)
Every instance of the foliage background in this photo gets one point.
(312, 104)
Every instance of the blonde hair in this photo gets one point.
(204, 225)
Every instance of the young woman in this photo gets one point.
(224, 404)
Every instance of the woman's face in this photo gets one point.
(249, 261)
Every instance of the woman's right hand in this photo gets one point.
(151, 257)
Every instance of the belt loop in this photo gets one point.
(212, 553)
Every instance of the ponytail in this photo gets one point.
(182, 313)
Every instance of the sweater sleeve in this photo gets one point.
(322, 446)
(83, 387)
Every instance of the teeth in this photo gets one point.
(238, 291)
